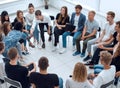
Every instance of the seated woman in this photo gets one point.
(61, 19)
(79, 78)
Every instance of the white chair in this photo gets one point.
(109, 84)
(12, 83)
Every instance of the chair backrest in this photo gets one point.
(12, 82)
(107, 84)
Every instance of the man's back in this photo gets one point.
(44, 80)
(18, 73)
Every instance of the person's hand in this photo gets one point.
(101, 46)
(83, 37)
(59, 27)
(24, 30)
(98, 41)
(117, 74)
(74, 31)
(48, 31)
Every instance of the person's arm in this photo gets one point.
(101, 37)
(33, 26)
(109, 41)
(91, 34)
(67, 83)
(83, 33)
(33, 85)
(106, 48)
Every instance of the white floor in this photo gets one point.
(61, 64)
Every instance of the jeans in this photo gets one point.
(60, 82)
(75, 36)
(57, 33)
(36, 33)
(84, 42)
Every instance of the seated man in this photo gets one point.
(107, 74)
(42, 20)
(17, 72)
(95, 58)
(89, 32)
(104, 37)
(78, 20)
(43, 79)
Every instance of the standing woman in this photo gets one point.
(61, 19)
(79, 77)
(4, 17)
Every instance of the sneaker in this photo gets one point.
(62, 51)
(76, 53)
(54, 49)
(82, 54)
(87, 58)
(73, 48)
(91, 66)
(49, 39)
(39, 46)
(23, 52)
(43, 45)
(89, 63)
(31, 45)
(27, 52)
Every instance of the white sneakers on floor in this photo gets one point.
(63, 50)
(73, 48)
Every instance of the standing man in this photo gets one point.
(89, 32)
(42, 20)
(78, 20)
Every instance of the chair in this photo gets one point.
(107, 84)
(13, 83)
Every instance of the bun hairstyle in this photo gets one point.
(30, 5)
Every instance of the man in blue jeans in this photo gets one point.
(78, 20)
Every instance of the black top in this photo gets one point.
(115, 40)
(44, 81)
(18, 73)
(66, 19)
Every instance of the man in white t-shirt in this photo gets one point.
(108, 73)
(104, 37)
(42, 20)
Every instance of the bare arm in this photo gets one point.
(56, 87)
(33, 85)
(102, 35)
(84, 31)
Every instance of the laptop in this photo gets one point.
(69, 27)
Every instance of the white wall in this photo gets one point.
(71, 5)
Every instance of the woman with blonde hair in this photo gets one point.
(79, 78)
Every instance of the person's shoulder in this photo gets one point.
(112, 67)
(83, 15)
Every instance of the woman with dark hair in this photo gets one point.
(61, 19)
(4, 17)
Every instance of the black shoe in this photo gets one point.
(43, 45)
(89, 63)
(49, 39)
(91, 66)
(24, 53)
(87, 58)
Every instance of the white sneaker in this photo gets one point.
(62, 51)
(54, 49)
(39, 46)
(73, 48)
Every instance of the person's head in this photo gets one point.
(18, 26)
(4, 17)
(13, 54)
(6, 28)
(38, 14)
(91, 15)
(117, 26)
(78, 9)
(43, 63)
(105, 58)
(2, 47)
(20, 14)
(80, 72)
(110, 16)
(31, 8)
(64, 11)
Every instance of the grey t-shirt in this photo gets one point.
(91, 26)
(73, 84)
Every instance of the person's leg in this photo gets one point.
(75, 36)
(41, 26)
(60, 82)
(65, 34)
(47, 26)
(78, 51)
(85, 46)
(89, 45)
